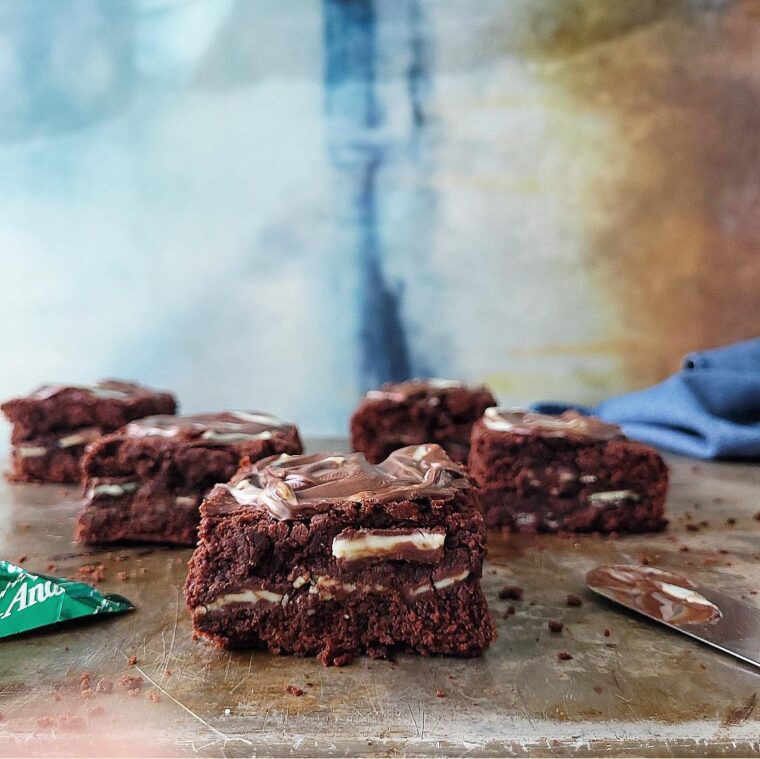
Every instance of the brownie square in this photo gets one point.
(145, 482)
(416, 412)
(53, 425)
(545, 473)
(332, 556)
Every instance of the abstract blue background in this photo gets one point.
(280, 205)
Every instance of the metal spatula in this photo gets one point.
(702, 613)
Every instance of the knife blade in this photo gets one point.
(708, 615)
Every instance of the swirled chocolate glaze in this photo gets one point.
(663, 595)
(225, 427)
(401, 391)
(569, 424)
(290, 487)
(115, 389)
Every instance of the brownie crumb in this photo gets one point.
(123, 576)
(440, 693)
(692, 527)
(509, 612)
(294, 690)
(757, 517)
(105, 685)
(684, 549)
(21, 559)
(555, 625)
(741, 713)
(564, 656)
(598, 689)
(92, 572)
(130, 682)
(153, 695)
(132, 661)
(607, 632)
(730, 521)
(511, 593)
(51, 567)
(573, 600)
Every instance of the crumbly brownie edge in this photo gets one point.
(610, 486)
(140, 518)
(134, 516)
(380, 426)
(454, 621)
(55, 465)
(33, 417)
(117, 455)
(235, 551)
(501, 508)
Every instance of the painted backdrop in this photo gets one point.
(281, 204)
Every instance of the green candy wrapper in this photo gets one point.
(29, 600)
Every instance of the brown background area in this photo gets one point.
(673, 231)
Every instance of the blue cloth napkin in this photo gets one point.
(710, 409)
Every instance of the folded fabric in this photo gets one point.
(710, 409)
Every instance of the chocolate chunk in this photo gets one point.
(511, 593)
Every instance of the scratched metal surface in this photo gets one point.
(640, 691)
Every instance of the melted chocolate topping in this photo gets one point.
(655, 592)
(225, 427)
(569, 424)
(402, 391)
(291, 487)
(105, 389)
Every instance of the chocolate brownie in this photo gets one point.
(415, 412)
(544, 473)
(332, 556)
(145, 482)
(53, 425)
